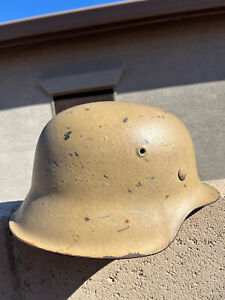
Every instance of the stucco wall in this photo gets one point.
(19, 131)
(178, 65)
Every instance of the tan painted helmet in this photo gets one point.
(111, 180)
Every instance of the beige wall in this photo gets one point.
(178, 65)
(19, 131)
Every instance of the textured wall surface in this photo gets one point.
(178, 65)
(19, 131)
(192, 267)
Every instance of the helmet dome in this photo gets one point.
(111, 180)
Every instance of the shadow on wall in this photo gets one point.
(31, 273)
(154, 56)
(178, 53)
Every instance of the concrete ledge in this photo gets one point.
(191, 268)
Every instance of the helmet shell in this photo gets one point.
(111, 180)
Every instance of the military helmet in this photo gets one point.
(111, 180)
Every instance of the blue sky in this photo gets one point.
(19, 9)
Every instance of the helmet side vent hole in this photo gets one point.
(182, 174)
(141, 151)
